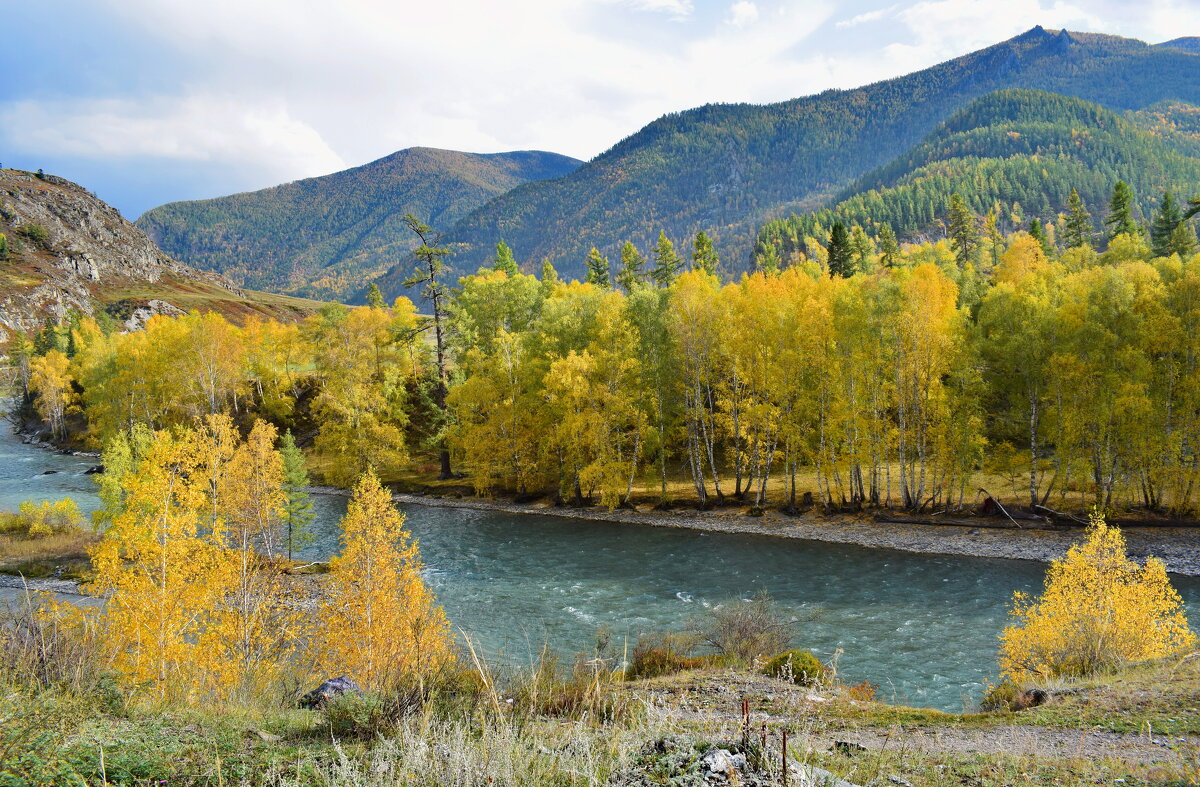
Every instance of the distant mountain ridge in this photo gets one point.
(726, 168)
(1020, 150)
(326, 236)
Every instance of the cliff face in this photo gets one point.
(67, 249)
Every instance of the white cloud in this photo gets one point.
(197, 128)
(743, 13)
(863, 18)
(678, 8)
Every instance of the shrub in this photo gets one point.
(747, 630)
(1099, 611)
(797, 666)
(38, 520)
(662, 653)
(34, 232)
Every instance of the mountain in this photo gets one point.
(726, 168)
(1188, 44)
(325, 237)
(1020, 150)
(66, 249)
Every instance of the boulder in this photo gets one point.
(327, 691)
(721, 766)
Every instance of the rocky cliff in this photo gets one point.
(67, 249)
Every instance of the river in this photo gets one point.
(922, 627)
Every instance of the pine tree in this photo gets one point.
(667, 263)
(3, 247)
(1169, 217)
(862, 247)
(431, 262)
(298, 511)
(766, 259)
(1183, 241)
(1077, 230)
(991, 230)
(963, 230)
(632, 267)
(1120, 212)
(598, 271)
(889, 249)
(505, 261)
(841, 262)
(704, 255)
(375, 296)
(1037, 231)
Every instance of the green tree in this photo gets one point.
(1077, 230)
(862, 247)
(963, 230)
(598, 271)
(1169, 217)
(704, 255)
(1120, 212)
(841, 260)
(505, 261)
(549, 276)
(632, 270)
(298, 510)
(431, 261)
(375, 297)
(1037, 231)
(667, 262)
(889, 248)
(3, 247)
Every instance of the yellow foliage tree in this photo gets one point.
(166, 579)
(50, 379)
(1099, 610)
(379, 623)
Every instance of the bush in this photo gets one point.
(662, 653)
(747, 630)
(1099, 611)
(35, 233)
(797, 666)
(38, 520)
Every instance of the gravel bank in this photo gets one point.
(1178, 547)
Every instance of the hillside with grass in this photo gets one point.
(725, 168)
(1017, 154)
(324, 237)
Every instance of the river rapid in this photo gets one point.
(922, 627)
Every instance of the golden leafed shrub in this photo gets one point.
(1099, 610)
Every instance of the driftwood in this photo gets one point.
(946, 521)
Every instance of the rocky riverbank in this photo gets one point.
(1179, 548)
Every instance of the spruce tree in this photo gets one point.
(549, 276)
(766, 259)
(862, 247)
(841, 260)
(505, 261)
(633, 266)
(1038, 232)
(991, 229)
(666, 262)
(1077, 229)
(1120, 212)
(3, 247)
(1183, 241)
(1169, 217)
(297, 510)
(598, 271)
(374, 296)
(889, 249)
(963, 230)
(704, 255)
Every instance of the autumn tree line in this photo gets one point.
(861, 371)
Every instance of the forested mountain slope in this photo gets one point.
(64, 250)
(725, 168)
(324, 237)
(1019, 152)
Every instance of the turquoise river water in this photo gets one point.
(922, 627)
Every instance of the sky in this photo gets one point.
(150, 101)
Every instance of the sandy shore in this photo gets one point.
(1179, 548)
